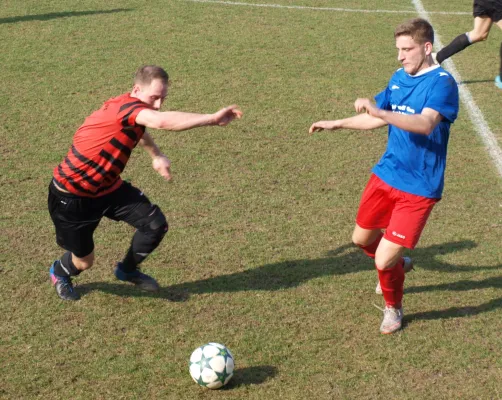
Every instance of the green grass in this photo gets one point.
(258, 255)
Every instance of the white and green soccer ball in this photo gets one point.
(212, 365)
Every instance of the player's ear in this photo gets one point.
(136, 89)
(428, 48)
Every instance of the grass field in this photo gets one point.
(258, 256)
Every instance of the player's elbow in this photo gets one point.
(156, 125)
(428, 130)
(426, 126)
(169, 126)
(166, 124)
(422, 130)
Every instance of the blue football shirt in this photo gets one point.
(412, 162)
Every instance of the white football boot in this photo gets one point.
(392, 320)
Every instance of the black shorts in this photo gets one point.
(76, 218)
(488, 8)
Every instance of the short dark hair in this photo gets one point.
(419, 29)
(147, 73)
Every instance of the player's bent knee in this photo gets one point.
(358, 242)
(383, 263)
(155, 225)
(358, 239)
(382, 266)
(365, 238)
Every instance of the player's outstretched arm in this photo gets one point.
(181, 121)
(322, 125)
(358, 122)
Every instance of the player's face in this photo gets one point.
(411, 55)
(153, 94)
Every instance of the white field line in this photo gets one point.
(352, 10)
(475, 114)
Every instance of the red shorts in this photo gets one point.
(402, 215)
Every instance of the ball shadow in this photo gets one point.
(251, 376)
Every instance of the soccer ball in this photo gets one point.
(212, 365)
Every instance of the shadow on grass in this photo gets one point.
(46, 17)
(495, 282)
(270, 277)
(476, 81)
(251, 376)
(456, 312)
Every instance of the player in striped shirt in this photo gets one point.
(87, 186)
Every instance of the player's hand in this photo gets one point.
(226, 115)
(321, 125)
(365, 105)
(162, 165)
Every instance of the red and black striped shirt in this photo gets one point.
(101, 148)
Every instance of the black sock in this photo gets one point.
(65, 266)
(457, 44)
(129, 263)
(138, 251)
(142, 244)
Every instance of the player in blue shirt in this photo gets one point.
(419, 105)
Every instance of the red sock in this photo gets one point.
(370, 249)
(392, 283)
